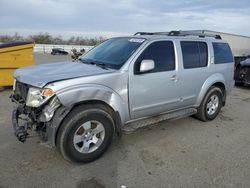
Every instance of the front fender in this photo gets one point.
(214, 78)
(86, 92)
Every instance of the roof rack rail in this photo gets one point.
(193, 33)
(144, 33)
(151, 33)
(200, 34)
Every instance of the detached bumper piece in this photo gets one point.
(20, 131)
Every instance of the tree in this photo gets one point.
(46, 38)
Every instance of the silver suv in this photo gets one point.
(123, 83)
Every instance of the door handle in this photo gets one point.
(174, 78)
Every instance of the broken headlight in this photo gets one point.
(36, 97)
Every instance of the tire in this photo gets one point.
(80, 131)
(205, 113)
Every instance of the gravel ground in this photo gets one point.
(177, 153)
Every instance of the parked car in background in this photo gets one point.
(59, 51)
(124, 81)
(242, 72)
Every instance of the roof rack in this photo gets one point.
(200, 34)
(144, 33)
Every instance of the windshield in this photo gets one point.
(114, 52)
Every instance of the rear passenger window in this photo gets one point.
(222, 53)
(162, 53)
(203, 54)
(194, 54)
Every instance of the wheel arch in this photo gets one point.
(97, 94)
(94, 94)
(223, 89)
(216, 80)
(114, 114)
(64, 112)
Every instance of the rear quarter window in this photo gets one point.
(222, 53)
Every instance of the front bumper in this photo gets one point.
(36, 119)
(243, 75)
(23, 119)
(39, 119)
(20, 131)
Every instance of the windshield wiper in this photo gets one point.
(102, 65)
(83, 60)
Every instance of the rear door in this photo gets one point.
(195, 69)
(158, 90)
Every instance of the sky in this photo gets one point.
(122, 17)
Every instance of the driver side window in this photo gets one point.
(162, 53)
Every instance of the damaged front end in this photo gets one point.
(242, 72)
(34, 109)
(20, 131)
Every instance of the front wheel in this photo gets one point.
(211, 105)
(85, 134)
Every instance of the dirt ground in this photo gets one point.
(177, 153)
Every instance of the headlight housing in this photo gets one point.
(14, 85)
(36, 97)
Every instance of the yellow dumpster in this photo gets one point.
(14, 55)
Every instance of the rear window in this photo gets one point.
(195, 54)
(222, 53)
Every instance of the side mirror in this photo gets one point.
(147, 65)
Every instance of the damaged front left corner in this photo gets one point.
(49, 110)
(19, 130)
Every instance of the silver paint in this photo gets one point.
(133, 96)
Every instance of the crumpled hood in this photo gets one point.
(40, 75)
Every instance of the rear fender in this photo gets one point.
(215, 78)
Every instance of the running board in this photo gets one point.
(132, 126)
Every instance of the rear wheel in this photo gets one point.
(211, 105)
(85, 134)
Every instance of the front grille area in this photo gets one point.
(21, 90)
(247, 77)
